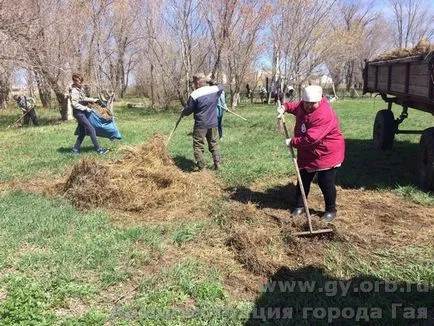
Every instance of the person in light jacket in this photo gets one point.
(80, 111)
(320, 146)
(221, 108)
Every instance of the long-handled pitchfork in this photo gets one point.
(173, 130)
(300, 183)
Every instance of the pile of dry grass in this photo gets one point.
(101, 111)
(145, 177)
(422, 48)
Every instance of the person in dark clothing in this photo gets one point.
(27, 106)
(202, 103)
(80, 111)
(248, 91)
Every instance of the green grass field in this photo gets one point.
(59, 265)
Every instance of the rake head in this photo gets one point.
(313, 232)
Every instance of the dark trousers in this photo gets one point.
(31, 115)
(83, 127)
(219, 126)
(199, 136)
(326, 182)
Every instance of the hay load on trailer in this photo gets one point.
(407, 81)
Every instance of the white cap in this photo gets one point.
(312, 93)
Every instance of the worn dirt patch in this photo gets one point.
(261, 231)
(73, 307)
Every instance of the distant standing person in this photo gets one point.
(221, 108)
(249, 92)
(202, 103)
(289, 94)
(262, 93)
(320, 146)
(27, 106)
(80, 111)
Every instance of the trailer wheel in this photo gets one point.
(426, 159)
(384, 130)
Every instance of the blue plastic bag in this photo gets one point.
(104, 127)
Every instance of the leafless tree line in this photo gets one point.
(156, 45)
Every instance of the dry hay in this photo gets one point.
(144, 178)
(263, 242)
(421, 48)
(101, 111)
(263, 239)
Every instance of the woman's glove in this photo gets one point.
(288, 142)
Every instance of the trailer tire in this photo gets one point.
(426, 159)
(384, 130)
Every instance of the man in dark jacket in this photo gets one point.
(202, 103)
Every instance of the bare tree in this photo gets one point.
(305, 26)
(44, 40)
(219, 16)
(413, 20)
(5, 82)
(113, 43)
(189, 32)
(244, 43)
(351, 24)
(235, 27)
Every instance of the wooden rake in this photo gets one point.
(311, 231)
(173, 130)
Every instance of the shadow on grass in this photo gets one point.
(363, 167)
(309, 296)
(184, 164)
(366, 167)
(67, 150)
(280, 197)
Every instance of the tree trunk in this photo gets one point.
(349, 75)
(4, 93)
(44, 91)
(65, 106)
(152, 87)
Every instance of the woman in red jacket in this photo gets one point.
(320, 146)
